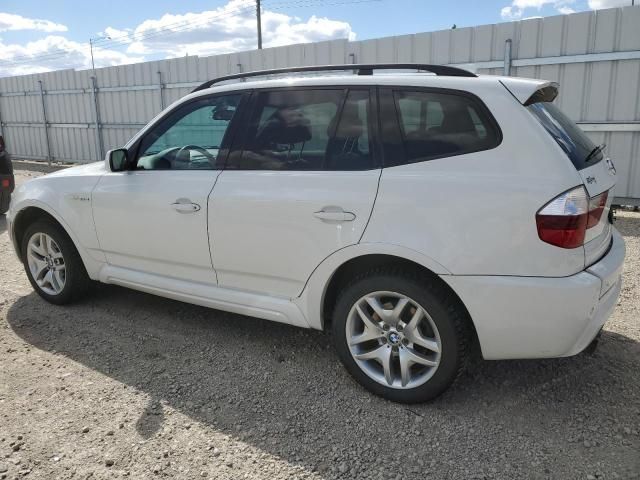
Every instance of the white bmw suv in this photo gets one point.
(412, 214)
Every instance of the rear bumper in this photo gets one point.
(537, 317)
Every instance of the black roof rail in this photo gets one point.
(363, 69)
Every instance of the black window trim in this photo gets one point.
(388, 103)
(227, 141)
(237, 147)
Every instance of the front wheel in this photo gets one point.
(52, 263)
(403, 337)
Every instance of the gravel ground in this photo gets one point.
(131, 385)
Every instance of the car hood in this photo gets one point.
(89, 169)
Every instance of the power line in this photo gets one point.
(54, 54)
(186, 25)
(60, 52)
(130, 37)
(166, 30)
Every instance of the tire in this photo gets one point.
(73, 283)
(444, 327)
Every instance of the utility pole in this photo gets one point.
(93, 66)
(259, 25)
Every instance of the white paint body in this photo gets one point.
(255, 246)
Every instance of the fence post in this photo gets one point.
(1, 132)
(507, 57)
(44, 123)
(160, 88)
(96, 112)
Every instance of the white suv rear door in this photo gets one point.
(299, 185)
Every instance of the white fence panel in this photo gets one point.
(595, 56)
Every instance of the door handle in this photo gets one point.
(334, 214)
(184, 205)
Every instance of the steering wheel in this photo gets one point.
(201, 150)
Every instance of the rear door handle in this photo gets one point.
(184, 205)
(334, 214)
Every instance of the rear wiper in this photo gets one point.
(594, 152)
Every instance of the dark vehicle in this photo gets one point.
(6, 178)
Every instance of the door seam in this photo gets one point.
(215, 272)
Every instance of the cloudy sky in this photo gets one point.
(41, 35)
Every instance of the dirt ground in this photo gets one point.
(128, 385)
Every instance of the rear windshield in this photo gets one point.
(568, 135)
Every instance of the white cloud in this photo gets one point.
(516, 10)
(54, 53)
(229, 28)
(510, 13)
(598, 4)
(9, 21)
(115, 34)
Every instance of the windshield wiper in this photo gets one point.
(594, 152)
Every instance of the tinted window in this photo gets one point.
(435, 125)
(568, 135)
(349, 149)
(190, 137)
(306, 130)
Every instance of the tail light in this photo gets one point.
(564, 221)
(597, 205)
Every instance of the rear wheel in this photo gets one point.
(401, 336)
(53, 264)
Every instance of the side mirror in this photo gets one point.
(117, 159)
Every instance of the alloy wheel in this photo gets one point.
(393, 340)
(46, 263)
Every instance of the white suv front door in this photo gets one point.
(153, 217)
(299, 186)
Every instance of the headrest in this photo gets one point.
(286, 126)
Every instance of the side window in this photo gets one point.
(190, 137)
(306, 130)
(435, 125)
(350, 149)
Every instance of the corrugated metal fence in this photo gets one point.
(72, 116)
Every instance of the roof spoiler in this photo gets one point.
(528, 91)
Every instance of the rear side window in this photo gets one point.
(569, 136)
(307, 130)
(436, 125)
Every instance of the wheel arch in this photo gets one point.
(26, 216)
(33, 211)
(320, 293)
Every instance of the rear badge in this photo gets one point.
(591, 180)
(612, 168)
